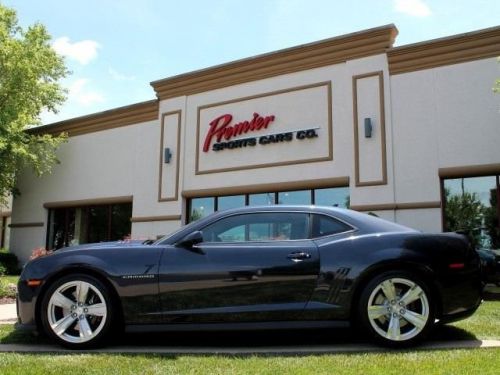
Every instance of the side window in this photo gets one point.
(269, 226)
(325, 225)
(231, 229)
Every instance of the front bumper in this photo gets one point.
(26, 305)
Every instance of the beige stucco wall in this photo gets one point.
(435, 118)
(443, 117)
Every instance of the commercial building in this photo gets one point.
(348, 121)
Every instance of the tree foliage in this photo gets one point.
(29, 73)
(464, 212)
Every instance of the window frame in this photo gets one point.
(86, 213)
(310, 217)
(274, 194)
(466, 176)
(348, 225)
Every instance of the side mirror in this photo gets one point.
(190, 240)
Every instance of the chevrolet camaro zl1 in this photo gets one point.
(274, 267)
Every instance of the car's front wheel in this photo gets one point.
(76, 311)
(396, 308)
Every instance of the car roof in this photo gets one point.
(363, 222)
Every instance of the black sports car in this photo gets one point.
(257, 268)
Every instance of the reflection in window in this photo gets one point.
(325, 226)
(259, 227)
(263, 199)
(201, 207)
(233, 201)
(78, 225)
(471, 205)
(236, 234)
(333, 197)
(295, 197)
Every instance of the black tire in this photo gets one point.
(396, 309)
(77, 311)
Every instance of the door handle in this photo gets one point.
(298, 256)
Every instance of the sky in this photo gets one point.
(115, 48)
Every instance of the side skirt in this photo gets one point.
(188, 327)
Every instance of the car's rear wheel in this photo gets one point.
(76, 311)
(396, 308)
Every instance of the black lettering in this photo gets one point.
(311, 133)
(264, 140)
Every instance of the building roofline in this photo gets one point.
(449, 50)
(403, 59)
(109, 119)
(307, 56)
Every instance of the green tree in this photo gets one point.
(464, 212)
(491, 221)
(29, 73)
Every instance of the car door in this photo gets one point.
(249, 267)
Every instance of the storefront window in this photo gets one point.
(264, 199)
(233, 201)
(295, 197)
(98, 223)
(201, 207)
(79, 225)
(472, 205)
(120, 220)
(336, 197)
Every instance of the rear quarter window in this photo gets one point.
(323, 225)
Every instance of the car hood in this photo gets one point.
(103, 245)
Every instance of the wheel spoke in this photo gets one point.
(59, 299)
(82, 290)
(376, 311)
(70, 315)
(98, 309)
(389, 290)
(417, 320)
(63, 324)
(394, 332)
(412, 295)
(85, 330)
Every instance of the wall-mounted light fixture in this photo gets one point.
(368, 127)
(167, 155)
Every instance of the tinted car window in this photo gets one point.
(269, 226)
(325, 225)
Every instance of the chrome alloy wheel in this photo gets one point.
(398, 309)
(76, 311)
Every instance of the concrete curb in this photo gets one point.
(273, 350)
(8, 313)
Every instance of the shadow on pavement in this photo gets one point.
(261, 343)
